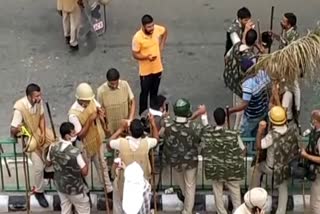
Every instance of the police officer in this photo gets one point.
(314, 157)
(69, 167)
(133, 148)
(182, 138)
(87, 116)
(223, 160)
(238, 28)
(29, 112)
(281, 143)
(255, 202)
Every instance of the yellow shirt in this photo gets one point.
(149, 44)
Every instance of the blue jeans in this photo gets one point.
(249, 126)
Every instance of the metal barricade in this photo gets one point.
(15, 183)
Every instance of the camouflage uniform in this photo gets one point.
(283, 149)
(287, 37)
(315, 186)
(223, 163)
(68, 179)
(235, 27)
(181, 152)
(233, 74)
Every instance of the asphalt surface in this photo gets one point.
(32, 49)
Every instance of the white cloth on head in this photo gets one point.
(133, 189)
(256, 197)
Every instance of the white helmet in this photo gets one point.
(84, 92)
(257, 197)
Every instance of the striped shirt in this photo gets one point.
(255, 93)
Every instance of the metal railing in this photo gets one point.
(15, 183)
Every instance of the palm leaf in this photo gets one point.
(302, 55)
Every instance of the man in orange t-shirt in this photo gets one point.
(147, 46)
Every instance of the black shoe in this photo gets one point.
(74, 48)
(67, 40)
(41, 199)
(180, 195)
(88, 194)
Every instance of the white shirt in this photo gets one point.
(74, 119)
(287, 102)
(134, 143)
(17, 115)
(242, 210)
(64, 145)
(155, 112)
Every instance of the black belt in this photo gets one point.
(270, 167)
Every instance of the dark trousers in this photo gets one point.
(149, 85)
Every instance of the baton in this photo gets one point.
(105, 18)
(271, 24)
(51, 121)
(228, 117)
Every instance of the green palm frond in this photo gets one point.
(302, 55)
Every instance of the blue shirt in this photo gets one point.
(254, 91)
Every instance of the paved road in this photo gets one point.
(33, 50)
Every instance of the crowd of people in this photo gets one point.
(270, 114)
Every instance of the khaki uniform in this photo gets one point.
(93, 142)
(130, 150)
(71, 19)
(116, 103)
(29, 116)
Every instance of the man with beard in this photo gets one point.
(239, 27)
(29, 112)
(87, 116)
(147, 47)
(289, 34)
(289, 30)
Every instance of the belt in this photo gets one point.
(269, 167)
